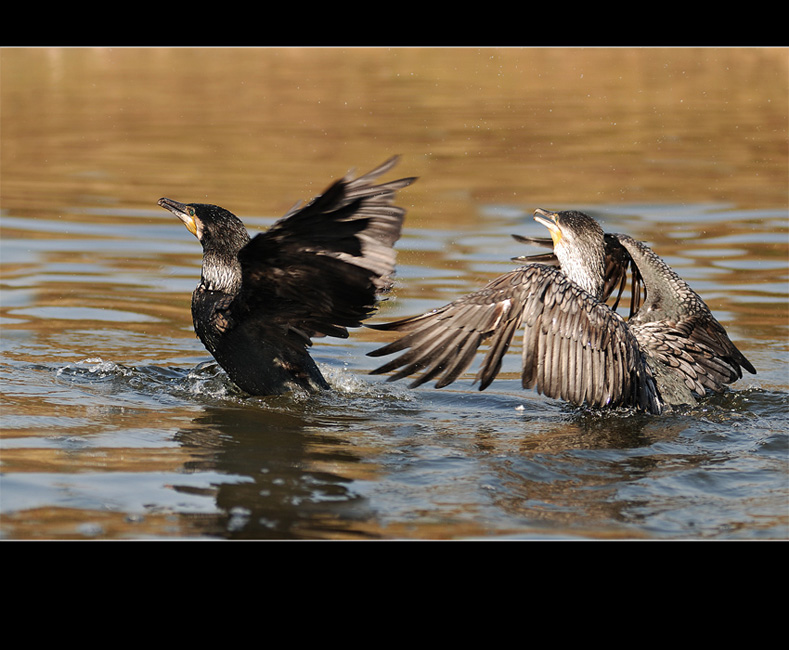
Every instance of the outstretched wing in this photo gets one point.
(675, 326)
(574, 347)
(322, 267)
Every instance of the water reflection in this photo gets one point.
(283, 478)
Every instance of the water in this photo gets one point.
(116, 424)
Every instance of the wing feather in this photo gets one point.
(676, 327)
(574, 346)
(322, 267)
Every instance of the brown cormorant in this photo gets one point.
(316, 272)
(575, 346)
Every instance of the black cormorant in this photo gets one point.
(316, 272)
(576, 347)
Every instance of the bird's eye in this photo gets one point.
(191, 212)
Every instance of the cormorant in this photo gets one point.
(317, 271)
(576, 347)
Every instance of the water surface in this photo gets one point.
(116, 424)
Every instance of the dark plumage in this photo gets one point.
(576, 347)
(316, 272)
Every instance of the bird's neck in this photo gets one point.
(221, 272)
(586, 270)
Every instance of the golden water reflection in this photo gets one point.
(258, 129)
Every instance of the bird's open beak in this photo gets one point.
(182, 211)
(551, 221)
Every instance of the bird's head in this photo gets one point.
(214, 227)
(222, 236)
(579, 245)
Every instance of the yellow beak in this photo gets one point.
(182, 211)
(550, 221)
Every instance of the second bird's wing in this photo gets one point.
(676, 327)
(574, 346)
